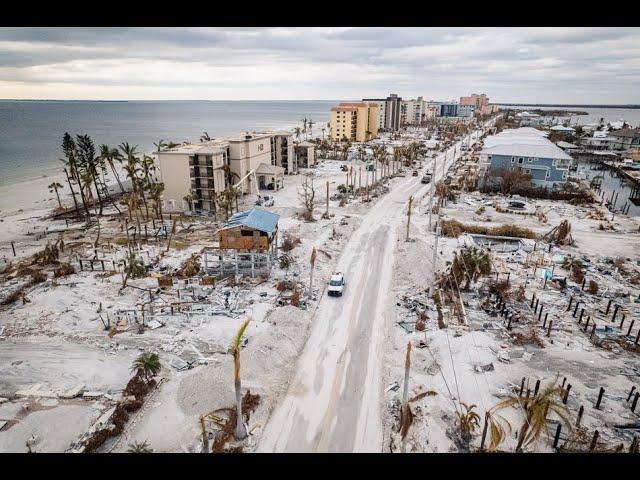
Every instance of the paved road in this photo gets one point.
(333, 402)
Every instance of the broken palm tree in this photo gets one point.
(409, 216)
(535, 411)
(560, 234)
(406, 416)
(240, 429)
(312, 263)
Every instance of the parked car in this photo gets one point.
(415, 173)
(426, 178)
(265, 201)
(336, 285)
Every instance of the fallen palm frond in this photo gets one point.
(560, 234)
(428, 393)
(530, 338)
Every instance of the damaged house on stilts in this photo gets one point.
(247, 245)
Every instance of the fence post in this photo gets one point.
(580, 412)
(630, 327)
(549, 329)
(631, 393)
(599, 398)
(594, 440)
(557, 436)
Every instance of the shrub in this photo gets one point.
(454, 228)
(191, 266)
(289, 242)
(38, 277)
(63, 270)
(593, 287)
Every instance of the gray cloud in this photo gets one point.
(580, 65)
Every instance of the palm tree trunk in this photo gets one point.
(58, 195)
(117, 177)
(241, 431)
(73, 193)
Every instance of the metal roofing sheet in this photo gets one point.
(256, 218)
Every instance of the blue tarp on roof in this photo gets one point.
(256, 218)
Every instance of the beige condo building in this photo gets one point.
(193, 172)
(357, 121)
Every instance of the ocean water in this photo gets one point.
(631, 115)
(31, 131)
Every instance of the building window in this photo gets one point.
(520, 160)
(513, 159)
(531, 159)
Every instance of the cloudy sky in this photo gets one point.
(534, 65)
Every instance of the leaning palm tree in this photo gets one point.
(147, 364)
(109, 155)
(205, 137)
(241, 431)
(139, 447)
(297, 131)
(54, 187)
(535, 411)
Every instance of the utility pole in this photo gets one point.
(312, 262)
(435, 259)
(433, 181)
(327, 212)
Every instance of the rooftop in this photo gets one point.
(626, 132)
(209, 147)
(561, 128)
(256, 218)
(526, 141)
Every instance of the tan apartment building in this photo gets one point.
(282, 151)
(246, 153)
(193, 174)
(357, 121)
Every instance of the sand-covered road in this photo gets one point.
(333, 402)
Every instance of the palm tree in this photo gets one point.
(535, 411)
(205, 137)
(241, 431)
(297, 130)
(405, 417)
(468, 422)
(304, 125)
(110, 155)
(147, 364)
(53, 187)
(189, 199)
(69, 149)
(160, 145)
(310, 124)
(139, 447)
(323, 130)
(155, 192)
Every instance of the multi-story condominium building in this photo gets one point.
(448, 109)
(389, 114)
(475, 100)
(526, 150)
(246, 153)
(465, 110)
(193, 172)
(412, 112)
(282, 151)
(480, 102)
(355, 121)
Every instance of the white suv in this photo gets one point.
(336, 285)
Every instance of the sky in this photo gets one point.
(526, 65)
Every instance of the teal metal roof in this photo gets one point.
(256, 218)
